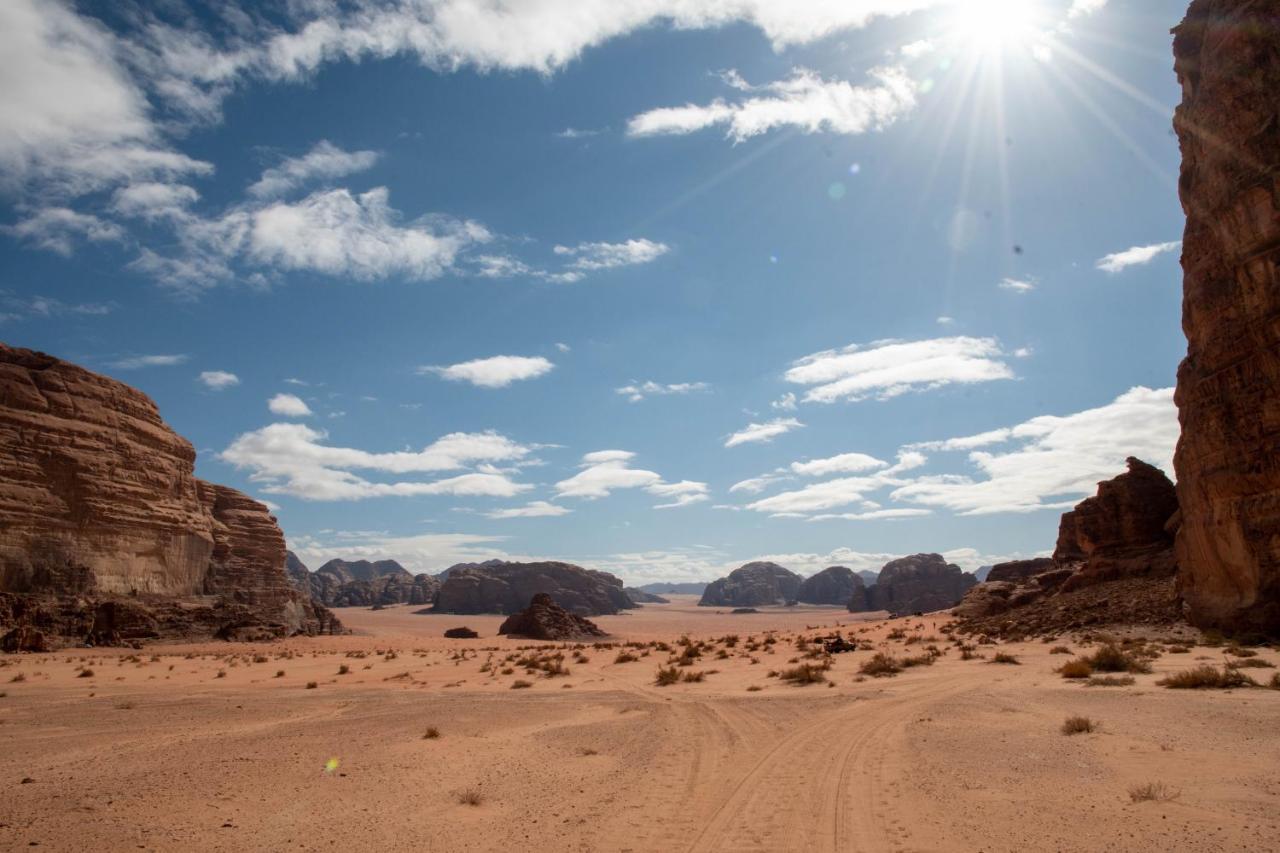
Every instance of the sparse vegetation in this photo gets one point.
(1059, 650)
(1152, 792)
(432, 733)
(1112, 658)
(625, 657)
(343, 669)
(1078, 668)
(311, 685)
(1004, 657)
(1078, 725)
(805, 673)
(666, 675)
(1207, 678)
(1110, 681)
(85, 673)
(521, 684)
(470, 797)
(880, 666)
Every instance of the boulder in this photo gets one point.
(100, 506)
(24, 638)
(463, 633)
(1228, 468)
(543, 619)
(1019, 570)
(833, 585)
(753, 585)
(501, 587)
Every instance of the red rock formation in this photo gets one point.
(543, 619)
(1121, 531)
(98, 498)
(1227, 57)
(501, 587)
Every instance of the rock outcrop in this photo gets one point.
(99, 502)
(753, 585)
(920, 583)
(1227, 58)
(500, 587)
(640, 597)
(361, 583)
(1121, 534)
(833, 585)
(543, 619)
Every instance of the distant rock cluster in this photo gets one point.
(361, 583)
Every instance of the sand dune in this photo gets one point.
(157, 751)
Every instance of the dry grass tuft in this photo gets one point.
(881, 666)
(432, 733)
(1152, 792)
(1207, 678)
(470, 797)
(1110, 681)
(1078, 725)
(1004, 657)
(1077, 668)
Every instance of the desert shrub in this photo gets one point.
(1111, 658)
(805, 673)
(1178, 650)
(1059, 650)
(432, 733)
(1239, 652)
(470, 797)
(969, 653)
(880, 665)
(521, 684)
(259, 658)
(756, 688)
(1110, 681)
(666, 675)
(1274, 683)
(222, 673)
(1078, 668)
(344, 669)
(279, 673)
(694, 677)
(1078, 725)
(625, 657)
(918, 660)
(1004, 657)
(311, 685)
(1250, 663)
(1207, 678)
(85, 673)
(1152, 792)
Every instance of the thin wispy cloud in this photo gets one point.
(136, 362)
(533, 509)
(324, 161)
(1017, 285)
(763, 432)
(804, 101)
(499, 371)
(605, 471)
(887, 369)
(638, 391)
(1135, 256)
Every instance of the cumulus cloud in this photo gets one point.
(1054, 461)
(588, 257)
(496, 372)
(134, 362)
(785, 403)
(886, 369)
(605, 471)
(1135, 256)
(638, 391)
(533, 509)
(804, 101)
(293, 459)
(324, 161)
(219, 379)
(289, 405)
(765, 432)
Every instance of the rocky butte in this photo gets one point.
(107, 535)
(1228, 393)
(753, 585)
(500, 587)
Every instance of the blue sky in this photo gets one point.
(657, 287)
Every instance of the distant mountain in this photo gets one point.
(360, 583)
(674, 588)
(363, 570)
(982, 572)
(868, 578)
(752, 585)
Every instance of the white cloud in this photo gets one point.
(785, 403)
(873, 515)
(533, 509)
(426, 552)
(1017, 285)
(589, 257)
(496, 372)
(138, 361)
(639, 390)
(886, 369)
(1057, 460)
(765, 432)
(57, 228)
(292, 459)
(562, 347)
(323, 162)
(605, 471)
(755, 485)
(289, 405)
(918, 49)
(1136, 256)
(219, 379)
(804, 100)
(830, 494)
(153, 200)
(16, 307)
(946, 321)
(1082, 8)
(845, 463)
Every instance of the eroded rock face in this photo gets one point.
(498, 587)
(362, 583)
(753, 585)
(1019, 570)
(920, 583)
(98, 500)
(543, 619)
(641, 598)
(1227, 57)
(833, 585)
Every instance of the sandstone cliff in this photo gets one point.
(498, 587)
(920, 583)
(98, 500)
(753, 585)
(1227, 58)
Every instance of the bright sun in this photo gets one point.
(991, 26)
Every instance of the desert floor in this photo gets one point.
(225, 747)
